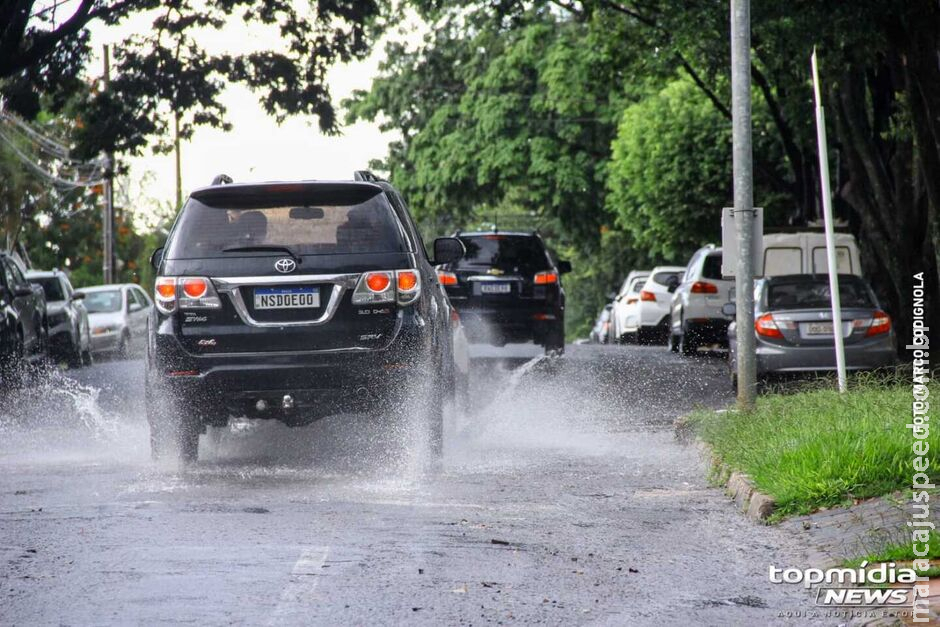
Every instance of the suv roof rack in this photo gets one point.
(222, 179)
(366, 175)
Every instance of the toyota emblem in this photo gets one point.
(285, 265)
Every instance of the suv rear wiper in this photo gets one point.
(264, 248)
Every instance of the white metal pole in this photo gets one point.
(827, 222)
(742, 159)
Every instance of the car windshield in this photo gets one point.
(511, 253)
(638, 284)
(305, 222)
(106, 301)
(51, 286)
(814, 294)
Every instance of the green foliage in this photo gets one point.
(819, 448)
(167, 69)
(670, 174)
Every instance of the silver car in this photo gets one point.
(794, 330)
(118, 318)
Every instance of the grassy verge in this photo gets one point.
(818, 448)
(903, 552)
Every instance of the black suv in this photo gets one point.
(296, 301)
(508, 289)
(23, 327)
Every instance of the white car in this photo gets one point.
(652, 320)
(626, 306)
(696, 317)
(118, 317)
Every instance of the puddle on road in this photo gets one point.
(525, 411)
(56, 418)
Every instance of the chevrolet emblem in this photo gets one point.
(495, 271)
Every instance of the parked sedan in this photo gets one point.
(625, 304)
(794, 329)
(23, 328)
(651, 323)
(118, 317)
(69, 330)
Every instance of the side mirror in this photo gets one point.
(729, 309)
(156, 258)
(448, 250)
(78, 296)
(564, 267)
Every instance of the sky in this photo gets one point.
(257, 148)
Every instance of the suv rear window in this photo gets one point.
(663, 277)
(51, 286)
(814, 294)
(506, 252)
(711, 269)
(307, 220)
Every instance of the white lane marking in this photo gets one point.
(298, 595)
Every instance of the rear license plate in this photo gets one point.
(495, 288)
(819, 328)
(287, 297)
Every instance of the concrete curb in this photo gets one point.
(754, 504)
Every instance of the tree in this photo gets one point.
(168, 69)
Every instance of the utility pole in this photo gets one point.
(179, 169)
(107, 218)
(743, 199)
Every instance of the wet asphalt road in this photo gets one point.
(564, 500)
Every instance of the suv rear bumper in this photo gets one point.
(708, 331)
(504, 325)
(295, 387)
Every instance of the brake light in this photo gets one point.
(185, 293)
(165, 294)
(378, 282)
(704, 287)
(194, 288)
(386, 286)
(446, 278)
(630, 301)
(547, 277)
(407, 280)
(880, 323)
(767, 327)
(648, 296)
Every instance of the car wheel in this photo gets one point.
(688, 347)
(87, 358)
(672, 342)
(433, 427)
(123, 349)
(11, 364)
(555, 342)
(171, 433)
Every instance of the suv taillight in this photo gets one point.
(191, 292)
(547, 277)
(704, 287)
(447, 278)
(648, 296)
(386, 286)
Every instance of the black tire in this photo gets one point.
(123, 349)
(672, 342)
(433, 425)
(172, 433)
(688, 347)
(12, 372)
(87, 358)
(555, 342)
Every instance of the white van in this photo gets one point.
(805, 253)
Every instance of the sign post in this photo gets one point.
(827, 223)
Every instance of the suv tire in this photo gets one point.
(171, 432)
